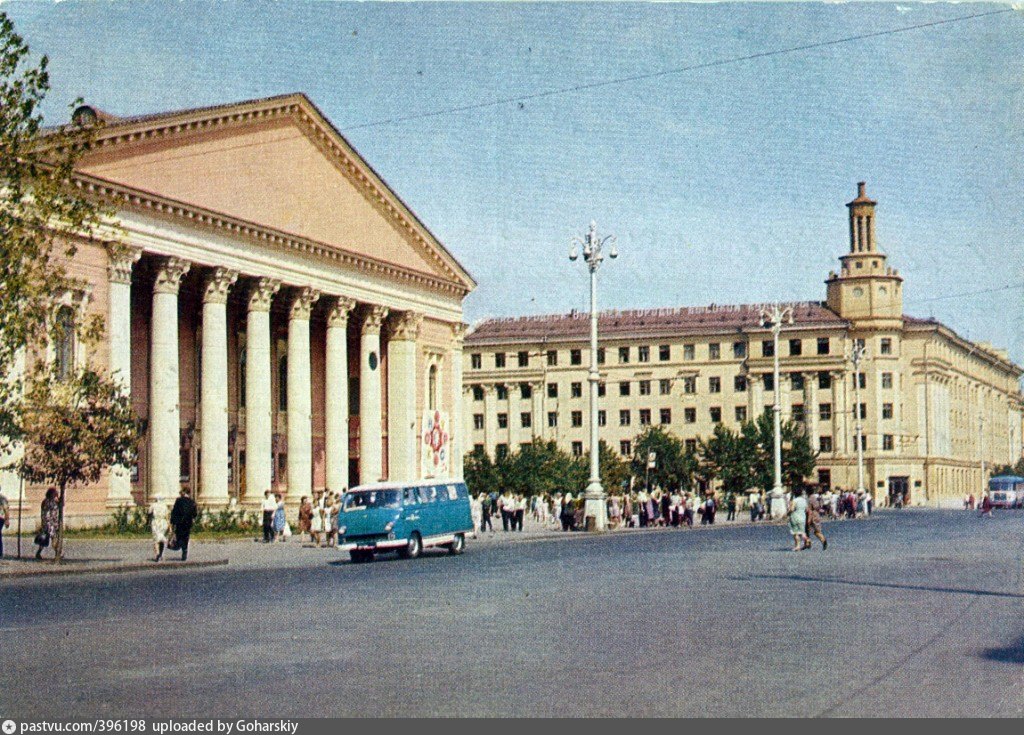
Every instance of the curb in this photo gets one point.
(57, 571)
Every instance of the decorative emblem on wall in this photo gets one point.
(436, 444)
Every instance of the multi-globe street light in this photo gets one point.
(774, 317)
(856, 355)
(595, 509)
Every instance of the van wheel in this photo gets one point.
(458, 545)
(413, 548)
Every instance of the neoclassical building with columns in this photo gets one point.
(280, 317)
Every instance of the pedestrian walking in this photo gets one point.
(158, 526)
(305, 517)
(49, 521)
(269, 508)
(710, 507)
(798, 519)
(730, 505)
(5, 520)
(333, 511)
(754, 500)
(183, 515)
(485, 513)
(318, 529)
(986, 506)
(568, 517)
(279, 518)
(519, 513)
(814, 510)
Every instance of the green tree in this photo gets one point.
(542, 468)
(674, 467)
(614, 471)
(42, 213)
(727, 457)
(1009, 469)
(72, 430)
(798, 457)
(479, 471)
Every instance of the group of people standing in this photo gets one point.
(318, 518)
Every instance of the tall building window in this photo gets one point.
(552, 390)
(796, 347)
(824, 380)
(241, 375)
(602, 418)
(501, 451)
(624, 417)
(499, 359)
(664, 353)
(767, 348)
(476, 361)
(526, 419)
(645, 417)
(690, 384)
(576, 418)
(825, 444)
(665, 416)
(575, 357)
(64, 343)
(525, 391)
(741, 414)
(769, 381)
(690, 415)
(887, 442)
(576, 390)
(885, 346)
(714, 351)
(601, 389)
(691, 445)
(823, 346)
(432, 387)
(886, 381)
(624, 388)
(796, 381)
(552, 357)
(825, 411)
(643, 353)
(478, 392)
(716, 414)
(664, 386)
(478, 421)
(600, 355)
(861, 378)
(863, 411)
(552, 419)
(523, 358)
(502, 391)
(502, 420)
(645, 387)
(739, 350)
(886, 410)
(625, 448)
(624, 354)
(739, 383)
(282, 383)
(577, 449)
(714, 384)
(798, 412)
(689, 352)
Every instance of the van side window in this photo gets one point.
(453, 494)
(427, 494)
(442, 494)
(409, 496)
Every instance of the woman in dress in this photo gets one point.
(317, 524)
(49, 521)
(333, 509)
(279, 519)
(306, 517)
(798, 519)
(159, 523)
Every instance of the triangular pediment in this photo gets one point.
(275, 163)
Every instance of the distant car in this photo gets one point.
(1006, 491)
(404, 517)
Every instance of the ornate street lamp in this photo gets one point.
(596, 511)
(774, 317)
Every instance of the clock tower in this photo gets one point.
(866, 291)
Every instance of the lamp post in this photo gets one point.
(774, 317)
(856, 355)
(595, 511)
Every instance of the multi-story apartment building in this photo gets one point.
(934, 405)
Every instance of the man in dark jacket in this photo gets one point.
(183, 515)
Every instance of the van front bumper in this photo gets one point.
(372, 545)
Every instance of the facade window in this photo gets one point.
(689, 352)
(577, 449)
(523, 358)
(476, 361)
(863, 442)
(502, 391)
(643, 353)
(886, 381)
(714, 351)
(552, 357)
(824, 380)
(665, 416)
(552, 390)
(825, 411)
(432, 387)
(645, 417)
(478, 421)
(887, 442)
(282, 383)
(577, 419)
(664, 353)
(859, 342)
(664, 386)
(645, 387)
(502, 420)
(525, 391)
(602, 389)
(885, 346)
(552, 419)
(241, 375)
(478, 392)
(624, 417)
(714, 384)
(886, 410)
(769, 381)
(739, 383)
(600, 355)
(691, 445)
(526, 419)
(861, 378)
(823, 346)
(825, 444)
(767, 348)
(690, 415)
(825, 479)
(796, 347)
(64, 343)
(602, 418)
(741, 414)
(478, 448)
(575, 357)
(624, 388)
(623, 355)
(499, 359)
(501, 451)
(576, 390)
(798, 412)
(796, 381)
(690, 384)
(863, 411)
(625, 448)
(716, 414)
(739, 350)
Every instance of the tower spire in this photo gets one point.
(862, 222)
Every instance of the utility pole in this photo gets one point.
(981, 450)
(595, 510)
(856, 355)
(774, 317)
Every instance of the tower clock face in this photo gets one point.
(858, 291)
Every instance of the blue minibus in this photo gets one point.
(406, 517)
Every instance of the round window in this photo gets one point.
(858, 291)
(883, 290)
(373, 361)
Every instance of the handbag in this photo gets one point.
(172, 541)
(42, 539)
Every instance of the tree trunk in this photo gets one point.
(58, 544)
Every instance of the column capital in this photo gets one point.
(262, 292)
(216, 285)
(406, 326)
(337, 314)
(459, 330)
(169, 274)
(373, 318)
(302, 303)
(121, 259)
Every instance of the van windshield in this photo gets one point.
(373, 499)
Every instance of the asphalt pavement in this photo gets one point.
(912, 613)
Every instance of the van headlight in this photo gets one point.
(341, 530)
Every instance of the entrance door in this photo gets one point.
(899, 491)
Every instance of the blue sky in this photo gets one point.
(723, 185)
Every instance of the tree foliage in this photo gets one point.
(674, 467)
(1009, 469)
(798, 457)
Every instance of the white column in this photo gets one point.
(164, 410)
(402, 379)
(336, 394)
(459, 438)
(300, 396)
(491, 419)
(10, 482)
(371, 463)
(119, 328)
(258, 420)
(213, 399)
(811, 408)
